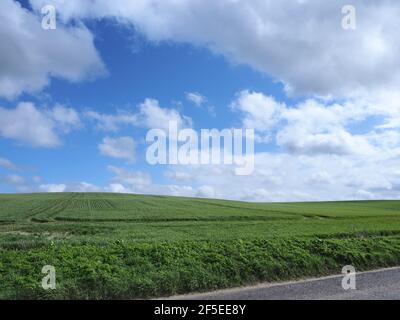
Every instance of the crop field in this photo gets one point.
(116, 246)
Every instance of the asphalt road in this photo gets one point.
(376, 285)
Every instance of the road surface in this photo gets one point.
(380, 285)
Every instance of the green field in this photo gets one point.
(115, 246)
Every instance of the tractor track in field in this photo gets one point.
(49, 211)
(56, 207)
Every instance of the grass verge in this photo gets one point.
(143, 270)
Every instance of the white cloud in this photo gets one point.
(277, 177)
(82, 187)
(120, 148)
(310, 127)
(27, 124)
(15, 179)
(112, 122)
(154, 189)
(292, 177)
(200, 101)
(134, 179)
(118, 188)
(5, 163)
(152, 116)
(300, 43)
(52, 187)
(338, 141)
(37, 179)
(67, 187)
(178, 175)
(30, 56)
(35, 127)
(127, 181)
(66, 118)
(206, 192)
(260, 112)
(329, 148)
(196, 98)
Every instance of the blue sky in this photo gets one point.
(136, 70)
(325, 112)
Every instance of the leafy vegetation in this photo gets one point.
(110, 246)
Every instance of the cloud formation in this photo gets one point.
(338, 140)
(30, 56)
(52, 188)
(149, 116)
(5, 163)
(120, 148)
(37, 127)
(153, 116)
(196, 98)
(300, 43)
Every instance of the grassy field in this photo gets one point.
(113, 246)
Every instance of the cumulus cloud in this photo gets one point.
(300, 43)
(37, 179)
(311, 126)
(153, 116)
(17, 183)
(68, 187)
(66, 118)
(82, 187)
(128, 181)
(31, 56)
(52, 187)
(5, 163)
(118, 188)
(206, 192)
(178, 175)
(293, 177)
(41, 128)
(260, 112)
(130, 178)
(149, 116)
(14, 179)
(140, 182)
(277, 177)
(337, 141)
(342, 143)
(320, 157)
(120, 148)
(112, 122)
(196, 98)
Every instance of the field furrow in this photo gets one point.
(132, 246)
